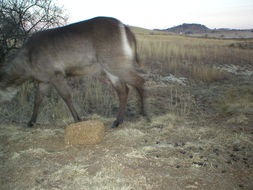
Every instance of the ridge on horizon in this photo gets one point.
(191, 28)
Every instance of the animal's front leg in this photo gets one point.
(41, 92)
(60, 83)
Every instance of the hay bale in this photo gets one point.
(86, 132)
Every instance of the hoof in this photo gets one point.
(30, 124)
(148, 119)
(116, 123)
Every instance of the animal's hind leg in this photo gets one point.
(122, 92)
(41, 91)
(132, 78)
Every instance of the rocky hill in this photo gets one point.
(189, 29)
(199, 30)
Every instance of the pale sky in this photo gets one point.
(162, 14)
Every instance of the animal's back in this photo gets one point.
(69, 49)
(100, 32)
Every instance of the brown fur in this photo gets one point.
(79, 49)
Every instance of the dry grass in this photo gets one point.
(191, 57)
(176, 99)
(89, 96)
(237, 102)
(191, 50)
(206, 73)
(169, 151)
(92, 97)
(143, 31)
(195, 59)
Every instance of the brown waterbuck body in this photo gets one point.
(99, 45)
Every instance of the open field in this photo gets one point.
(227, 34)
(200, 97)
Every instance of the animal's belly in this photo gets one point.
(83, 69)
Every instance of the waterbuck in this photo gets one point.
(99, 45)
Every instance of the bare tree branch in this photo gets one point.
(20, 18)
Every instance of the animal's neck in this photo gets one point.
(13, 74)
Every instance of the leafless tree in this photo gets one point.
(20, 18)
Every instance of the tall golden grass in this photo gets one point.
(193, 57)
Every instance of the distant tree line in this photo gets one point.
(20, 18)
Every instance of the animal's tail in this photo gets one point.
(133, 43)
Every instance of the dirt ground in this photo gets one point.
(203, 150)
